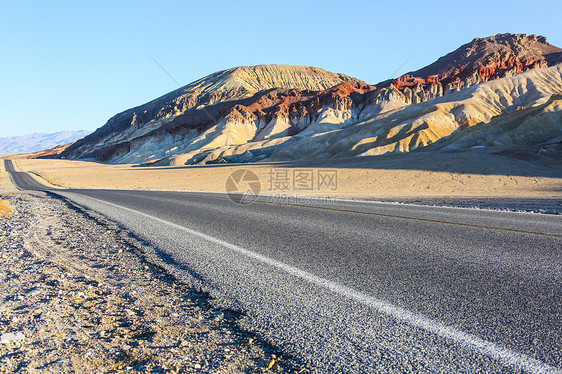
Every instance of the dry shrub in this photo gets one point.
(5, 209)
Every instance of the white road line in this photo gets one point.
(473, 342)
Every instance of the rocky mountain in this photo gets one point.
(197, 106)
(482, 115)
(273, 112)
(38, 141)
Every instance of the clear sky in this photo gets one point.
(69, 65)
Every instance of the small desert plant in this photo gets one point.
(5, 209)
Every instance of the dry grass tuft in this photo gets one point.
(5, 209)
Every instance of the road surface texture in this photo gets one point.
(363, 287)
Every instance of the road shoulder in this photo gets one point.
(80, 296)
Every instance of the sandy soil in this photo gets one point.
(428, 174)
(79, 295)
(6, 185)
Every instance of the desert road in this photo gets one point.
(361, 287)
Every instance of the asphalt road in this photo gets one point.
(361, 287)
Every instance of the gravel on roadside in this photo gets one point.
(77, 295)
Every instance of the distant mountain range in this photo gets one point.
(283, 112)
(38, 141)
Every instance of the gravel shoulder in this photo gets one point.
(79, 295)
(543, 206)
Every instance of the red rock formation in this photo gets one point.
(481, 60)
(292, 104)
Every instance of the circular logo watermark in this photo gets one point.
(243, 186)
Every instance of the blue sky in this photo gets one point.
(70, 65)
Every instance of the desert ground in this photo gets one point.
(6, 185)
(471, 174)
